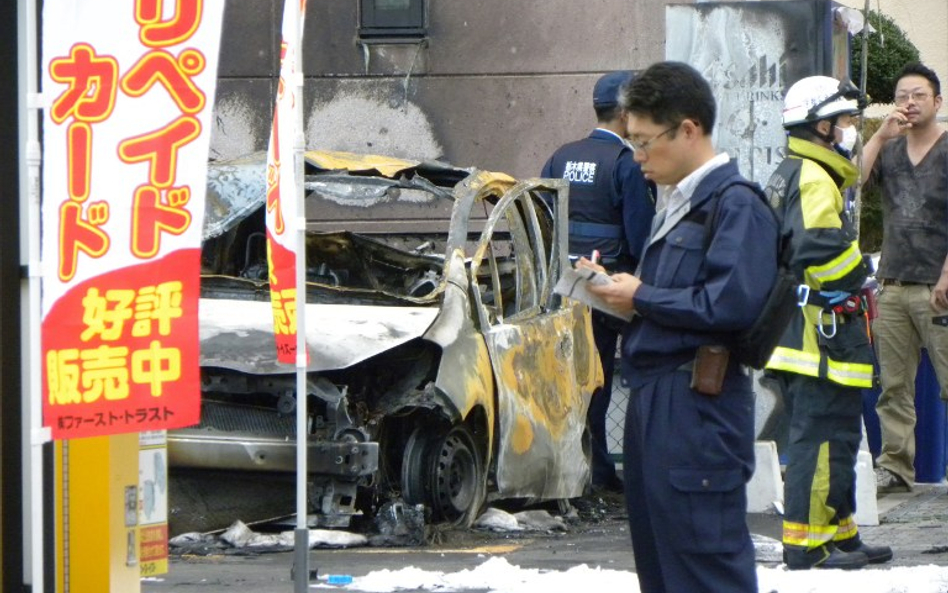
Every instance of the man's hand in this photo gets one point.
(620, 293)
(893, 124)
(939, 298)
(585, 263)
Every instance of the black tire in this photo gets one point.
(445, 471)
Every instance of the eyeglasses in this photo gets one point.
(917, 97)
(643, 146)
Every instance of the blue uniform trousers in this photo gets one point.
(687, 458)
(605, 332)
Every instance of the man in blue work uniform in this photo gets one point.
(610, 211)
(706, 272)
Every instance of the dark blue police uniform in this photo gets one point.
(687, 456)
(610, 210)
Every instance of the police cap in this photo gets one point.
(606, 91)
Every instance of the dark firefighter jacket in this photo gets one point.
(805, 191)
(697, 293)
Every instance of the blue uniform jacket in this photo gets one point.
(631, 194)
(689, 296)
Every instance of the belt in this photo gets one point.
(851, 305)
(595, 229)
(894, 282)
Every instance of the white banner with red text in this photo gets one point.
(129, 86)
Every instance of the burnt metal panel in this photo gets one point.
(541, 362)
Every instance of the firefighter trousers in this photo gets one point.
(820, 481)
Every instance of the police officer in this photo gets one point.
(610, 212)
(688, 450)
(824, 358)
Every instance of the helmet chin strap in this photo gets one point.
(829, 138)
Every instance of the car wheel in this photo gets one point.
(445, 471)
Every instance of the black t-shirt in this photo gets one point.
(914, 211)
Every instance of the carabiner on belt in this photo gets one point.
(803, 295)
(820, 325)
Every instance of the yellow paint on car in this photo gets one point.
(522, 436)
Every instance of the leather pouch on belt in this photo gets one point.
(707, 377)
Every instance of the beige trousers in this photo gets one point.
(903, 327)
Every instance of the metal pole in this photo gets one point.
(31, 349)
(863, 73)
(301, 540)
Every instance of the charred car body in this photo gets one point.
(443, 369)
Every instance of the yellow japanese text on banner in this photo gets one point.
(281, 196)
(130, 87)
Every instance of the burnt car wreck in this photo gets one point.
(443, 369)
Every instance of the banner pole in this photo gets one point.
(37, 436)
(301, 580)
(863, 74)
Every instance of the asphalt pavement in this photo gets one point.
(915, 524)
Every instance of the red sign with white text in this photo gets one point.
(130, 85)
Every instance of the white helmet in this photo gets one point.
(814, 98)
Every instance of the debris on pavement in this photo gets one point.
(399, 524)
(240, 537)
(532, 520)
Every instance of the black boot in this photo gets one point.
(875, 554)
(825, 556)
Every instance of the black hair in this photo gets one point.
(607, 114)
(918, 69)
(669, 93)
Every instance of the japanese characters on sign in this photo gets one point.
(152, 499)
(130, 85)
(281, 198)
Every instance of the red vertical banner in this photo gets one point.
(130, 87)
(281, 192)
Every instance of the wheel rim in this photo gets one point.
(455, 475)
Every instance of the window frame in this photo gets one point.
(375, 23)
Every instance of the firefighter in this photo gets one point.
(824, 358)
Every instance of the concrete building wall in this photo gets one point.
(498, 84)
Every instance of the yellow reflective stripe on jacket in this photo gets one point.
(795, 361)
(853, 374)
(837, 267)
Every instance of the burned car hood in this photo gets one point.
(238, 334)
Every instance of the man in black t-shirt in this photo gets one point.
(908, 159)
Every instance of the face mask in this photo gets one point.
(850, 135)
